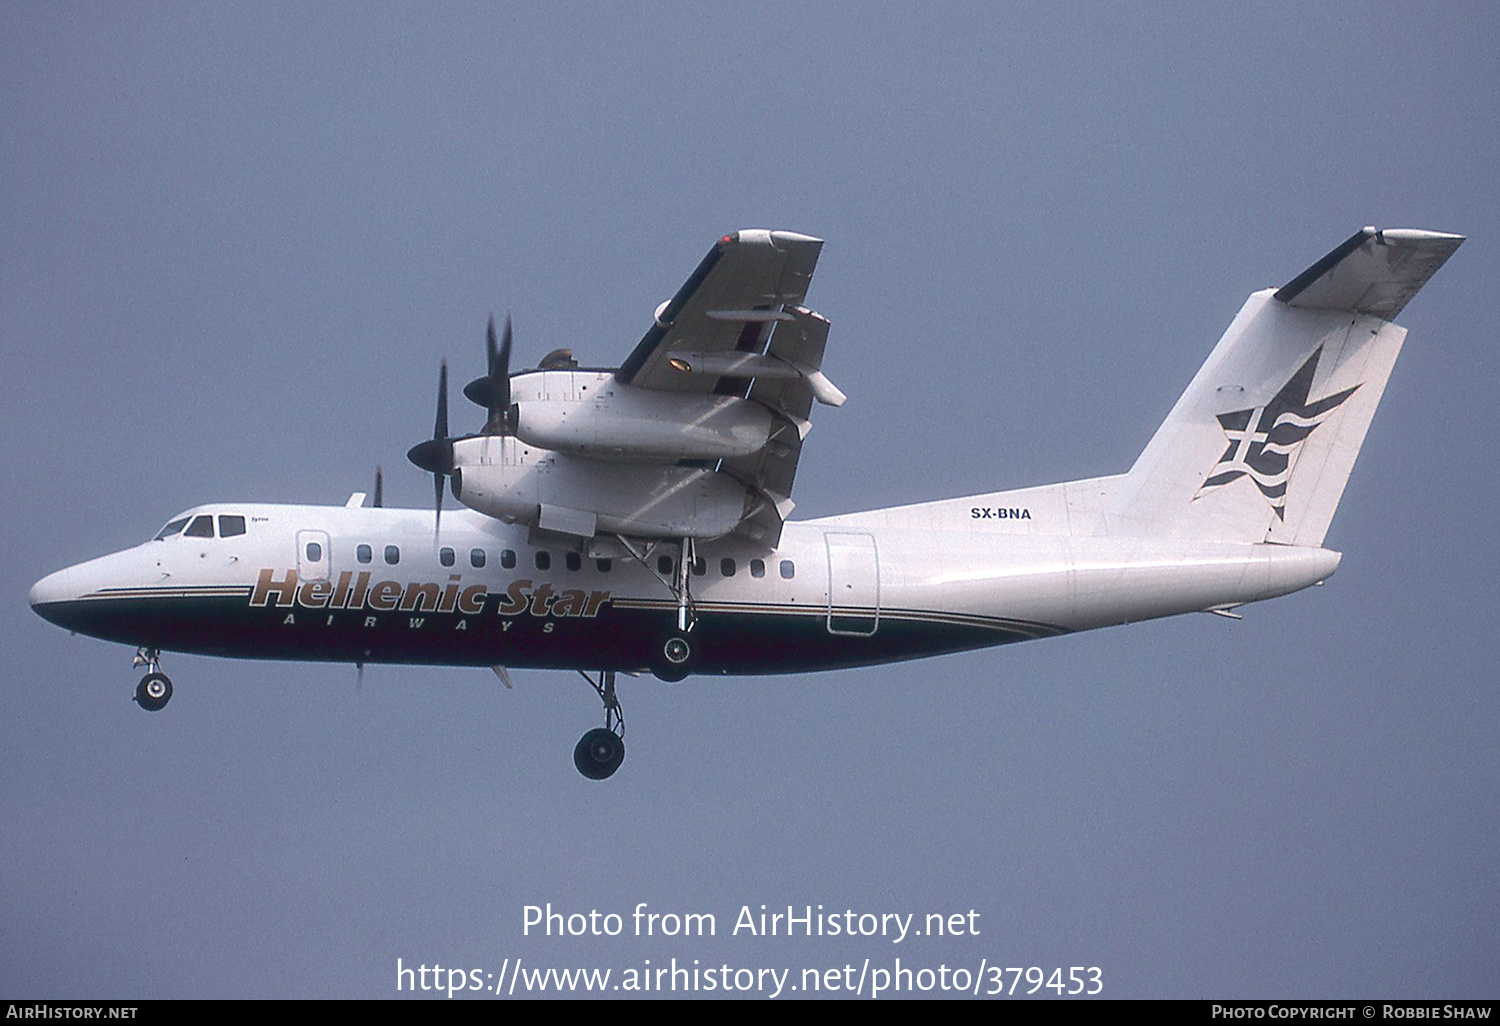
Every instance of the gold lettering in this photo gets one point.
(385, 595)
(539, 600)
(361, 585)
(342, 595)
(267, 585)
(515, 597)
(471, 599)
(569, 603)
(423, 595)
(314, 594)
(450, 595)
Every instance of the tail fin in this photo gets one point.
(1261, 444)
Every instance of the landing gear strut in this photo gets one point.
(600, 751)
(155, 689)
(682, 590)
(676, 652)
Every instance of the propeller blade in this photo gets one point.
(436, 455)
(379, 488)
(501, 375)
(489, 347)
(493, 390)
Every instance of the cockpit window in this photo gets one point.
(171, 529)
(231, 526)
(201, 527)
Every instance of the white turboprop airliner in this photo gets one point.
(636, 518)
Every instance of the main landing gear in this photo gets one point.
(675, 658)
(600, 751)
(155, 689)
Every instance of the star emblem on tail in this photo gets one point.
(1264, 440)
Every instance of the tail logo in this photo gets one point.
(1263, 441)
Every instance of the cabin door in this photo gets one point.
(853, 583)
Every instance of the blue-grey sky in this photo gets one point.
(238, 238)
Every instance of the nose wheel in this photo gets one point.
(600, 751)
(155, 689)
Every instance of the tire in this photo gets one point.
(676, 659)
(154, 692)
(599, 753)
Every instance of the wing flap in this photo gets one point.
(800, 343)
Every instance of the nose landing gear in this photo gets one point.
(600, 751)
(155, 689)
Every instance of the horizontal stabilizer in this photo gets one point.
(1373, 272)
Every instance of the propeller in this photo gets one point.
(436, 455)
(379, 487)
(493, 390)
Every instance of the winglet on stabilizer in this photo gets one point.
(1374, 272)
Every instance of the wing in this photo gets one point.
(738, 293)
(737, 327)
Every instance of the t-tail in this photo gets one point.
(1260, 446)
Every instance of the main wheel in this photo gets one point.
(154, 691)
(599, 753)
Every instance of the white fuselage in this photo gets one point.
(374, 585)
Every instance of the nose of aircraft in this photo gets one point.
(48, 594)
(92, 598)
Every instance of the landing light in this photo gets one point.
(680, 364)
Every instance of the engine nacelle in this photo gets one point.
(505, 477)
(617, 422)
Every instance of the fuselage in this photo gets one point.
(351, 584)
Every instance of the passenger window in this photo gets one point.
(664, 565)
(392, 554)
(700, 566)
(543, 559)
(445, 556)
(726, 567)
(757, 568)
(508, 559)
(314, 552)
(171, 529)
(788, 570)
(476, 558)
(231, 526)
(201, 527)
(604, 565)
(574, 560)
(362, 553)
